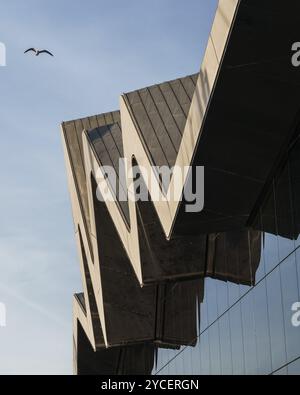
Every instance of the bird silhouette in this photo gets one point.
(38, 51)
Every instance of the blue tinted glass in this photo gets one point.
(162, 359)
(249, 334)
(263, 347)
(171, 368)
(225, 347)
(214, 346)
(180, 362)
(297, 241)
(276, 320)
(204, 354)
(281, 372)
(290, 295)
(233, 293)
(298, 270)
(185, 357)
(222, 296)
(294, 368)
(243, 290)
(173, 365)
(261, 271)
(211, 294)
(284, 214)
(203, 314)
(195, 359)
(269, 226)
(237, 340)
(271, 253)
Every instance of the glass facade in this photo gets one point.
(249, 329)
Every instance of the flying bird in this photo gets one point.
(38, 51)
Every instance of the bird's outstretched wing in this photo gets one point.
(30, 50)
(45, 51)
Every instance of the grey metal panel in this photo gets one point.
(86, 123)
(160, 112)
(93, 122)
(146, 129)
(189, 84)
(76, 159)
(108, 118)
(108, 145)
(116, 133)
(158, 126)
(106, 137)
(180, 98)
(170, 127)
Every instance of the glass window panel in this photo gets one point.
(222, 295)
(161, 359)
(165, 359)
(172, 370)
(290, 295)
(281, 372)
(263, 347)
(185, 357)
(225, 345)
(203, 315)
(297, 241)
(269, 226)
(204, 354)
(294, 368)
(237, 340)
(286, 246)
(261, 271)
(174, 367)
(249, 334)
(298, 271)
(195, 360)
(214, 347)
(271, 253)
(211, 300)
(181, 362)
(233, 293)
(276, 320)
(244, 289)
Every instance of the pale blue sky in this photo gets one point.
(102, 48)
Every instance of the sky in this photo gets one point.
(102, 48)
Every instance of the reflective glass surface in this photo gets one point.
(249, 329)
